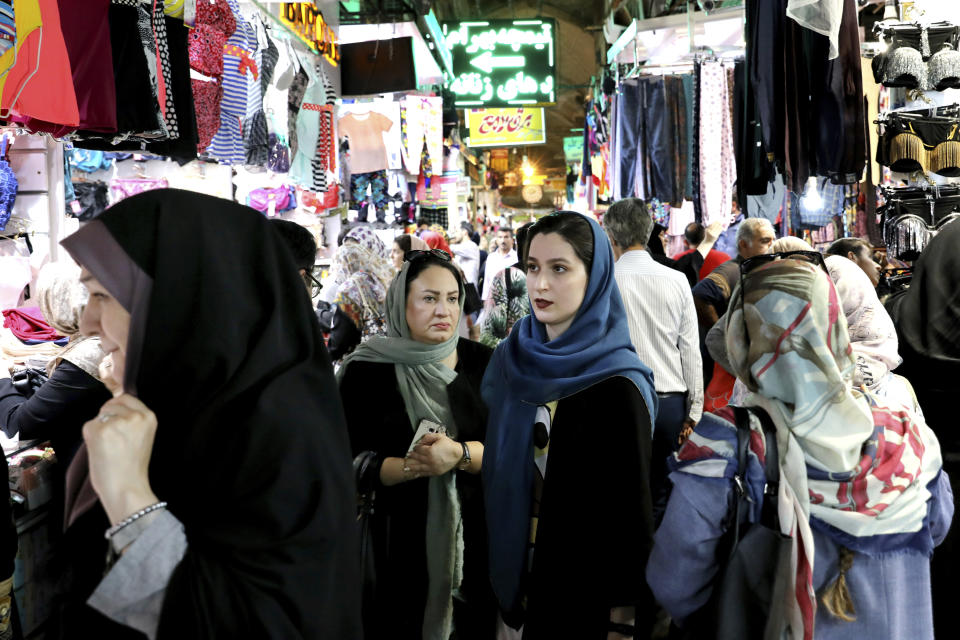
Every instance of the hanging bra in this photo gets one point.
(919, 57)
(912, 141)
(912, 217)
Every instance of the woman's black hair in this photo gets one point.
(522, 245)
(572, 227)
(423, 262)
(403, 241)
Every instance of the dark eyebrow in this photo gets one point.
(86, 279)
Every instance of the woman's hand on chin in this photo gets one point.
(119, 443)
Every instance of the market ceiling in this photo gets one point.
(577, 60)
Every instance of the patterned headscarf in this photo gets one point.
(790, 243)
(846, 458)
(62, 299)
(365, 237)
(872, 333)
(362, 279)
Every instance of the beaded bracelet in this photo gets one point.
(112, 531)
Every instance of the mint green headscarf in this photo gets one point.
(422, 380)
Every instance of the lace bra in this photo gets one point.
(913, 216)
(926, 140)
(919, 57)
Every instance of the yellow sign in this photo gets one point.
(309, 25)
(506, 127)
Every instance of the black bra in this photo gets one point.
(926, 140)
(919, 57)
(913, 216)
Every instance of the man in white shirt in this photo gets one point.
(466, 253)
(505, 256)
(663, 329)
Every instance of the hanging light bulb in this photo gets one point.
(811, 200)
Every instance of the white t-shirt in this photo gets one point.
(496, 262)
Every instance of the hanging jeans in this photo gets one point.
(659, 128)
(422, 124)
(629, 135)
(377, 181)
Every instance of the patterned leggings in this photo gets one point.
(377, 181)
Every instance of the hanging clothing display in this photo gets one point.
(215, 24)
(90, 200)
(255, 129)
(315, 154)
(927, 140)
(376, 183)
(421, 127)
(368, 152)
(121, 188)
(717, 162)
(48, 96)
(918, 56)
(804, 86)
(238, 65)
(87, 38)
(20, 62)
(913, 216)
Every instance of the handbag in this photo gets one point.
(27, 381)
(365, 467)
(91, 198)
(750, 591)
(471, 298)
(273, 200)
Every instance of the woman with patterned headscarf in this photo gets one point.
(74, 393)
(360, 298)
(862, 497)
(58, 409)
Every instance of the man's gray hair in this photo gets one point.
(628, 222)
(749, 228)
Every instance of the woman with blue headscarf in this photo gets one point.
(567, 456)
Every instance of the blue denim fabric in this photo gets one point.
(659, 141)
(629, 123)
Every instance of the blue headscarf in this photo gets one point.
(526, 371)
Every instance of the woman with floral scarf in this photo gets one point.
(862, 496)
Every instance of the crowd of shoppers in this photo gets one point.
(574, 481)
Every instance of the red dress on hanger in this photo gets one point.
(46, 88)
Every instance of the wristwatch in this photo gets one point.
(465, 460)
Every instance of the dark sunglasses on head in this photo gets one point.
(419, 254)
(814, 257)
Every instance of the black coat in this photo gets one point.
(377, 421)
(56, 412)
(595, 528)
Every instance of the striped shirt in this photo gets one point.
(663, 325)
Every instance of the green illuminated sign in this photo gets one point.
(503, 63)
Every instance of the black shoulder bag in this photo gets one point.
(748, 597)
(28, 381)
(365, 466)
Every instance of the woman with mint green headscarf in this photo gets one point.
(428, 527)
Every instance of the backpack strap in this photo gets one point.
(769, 514)
(741, 495)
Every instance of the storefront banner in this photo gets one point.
(308, 22)
(503, 63)
(506, 127)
